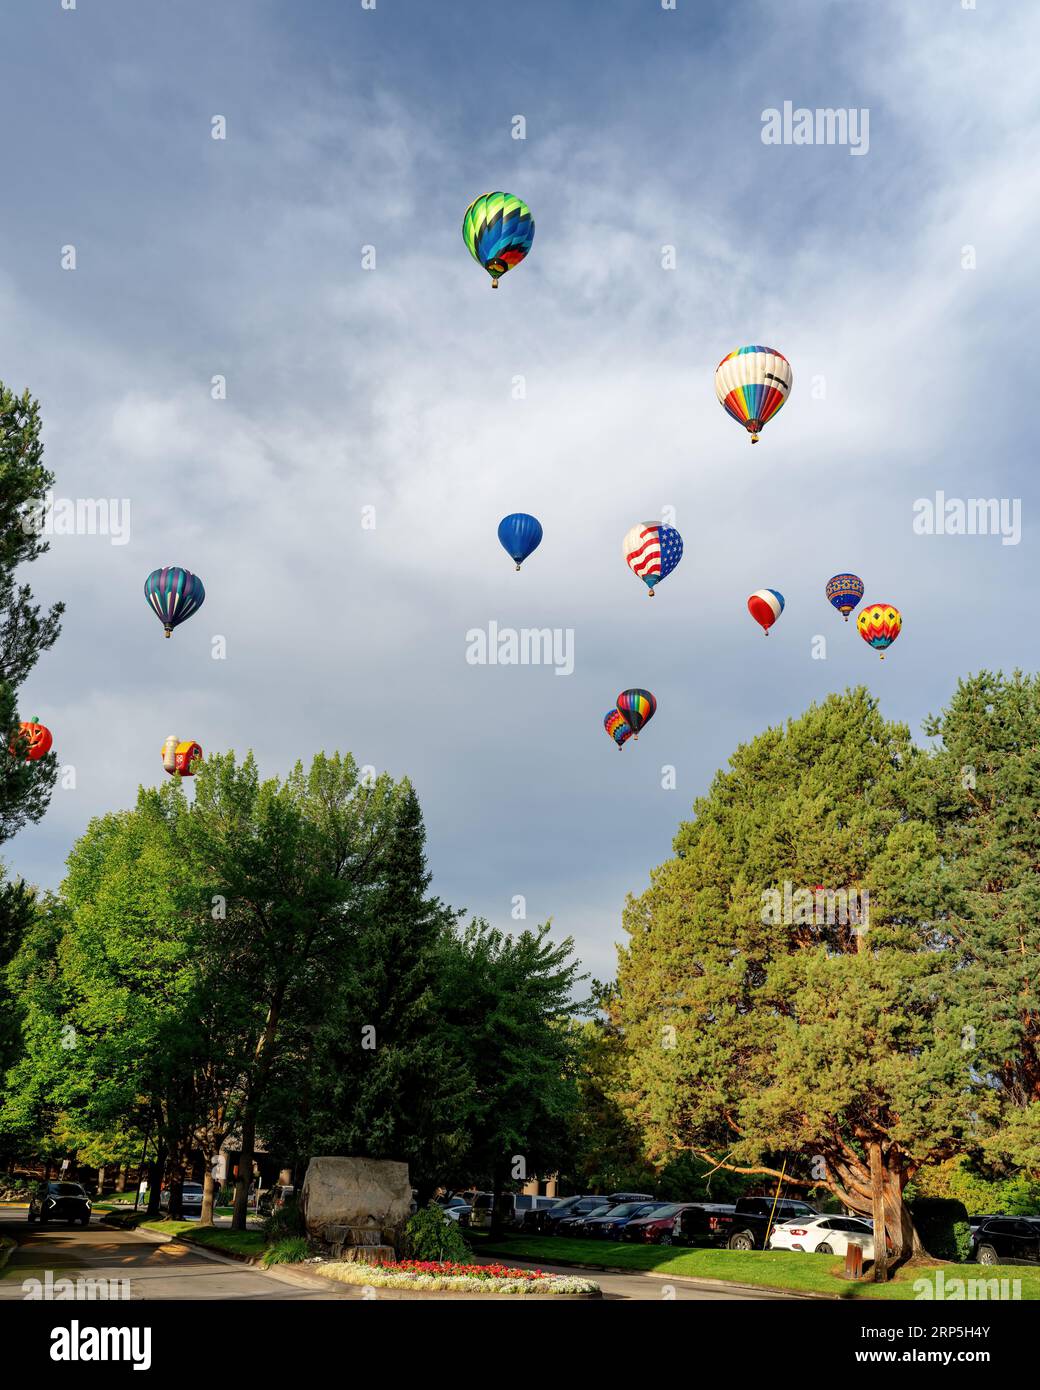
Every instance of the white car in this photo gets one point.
(191, 1199)
(824, 1235)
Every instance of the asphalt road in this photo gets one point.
(161, 1270)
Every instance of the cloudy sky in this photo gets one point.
(900, 283)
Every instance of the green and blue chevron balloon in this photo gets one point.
(498, 229)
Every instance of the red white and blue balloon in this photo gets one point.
(765, 606)
(652, 551)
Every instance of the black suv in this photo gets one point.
(60, 1201)
(1008, 1240)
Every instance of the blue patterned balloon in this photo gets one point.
(174, 594)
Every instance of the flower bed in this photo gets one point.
(433, 1276)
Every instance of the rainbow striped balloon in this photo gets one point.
(498, 230)
(638, 707)
(753, 383)
(765, 606)
(879, 626)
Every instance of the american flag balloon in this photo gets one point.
(652, 551)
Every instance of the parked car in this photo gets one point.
(611, 1225)
(273, 1199)
(679, 1223)
(455, 1209)
(575, 1224)
(746, 1228)
(515, 1207)
(191, 1199)
(547, 1219)
(60, 1201)
(824, 1235)
(1007, 1240)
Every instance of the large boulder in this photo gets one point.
(370, 1195)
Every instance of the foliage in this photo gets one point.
(290, 1250)
(430, 1235)
(942, 1224)
(284, 1222)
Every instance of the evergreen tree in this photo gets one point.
(766, 1033)
(25, 633)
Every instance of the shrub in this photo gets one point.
(283, 1223)
(430, 1235)
(942, 1224)
(286, 1252)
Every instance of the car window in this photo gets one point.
(67, 1189)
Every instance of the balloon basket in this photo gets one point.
(518, 569)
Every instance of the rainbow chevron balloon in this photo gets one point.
(879, 626)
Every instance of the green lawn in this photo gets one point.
(774, 1269)
(215, 1237)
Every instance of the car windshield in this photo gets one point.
(67, 1189)
(662, 1212)
(626, 1208)
(598, 1211)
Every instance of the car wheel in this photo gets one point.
(43, 1218)
(84, 1220)
(987, 1255)
(667, 1239)
(824, 1249)
(32, 1216)
(743, 1240)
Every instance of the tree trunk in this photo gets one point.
(497, 1204)
(175, 1211)
(156, 1171)
(101, 1178)
(208, 1195)
(121, 1177)
(877, 1195)
(245, 1170)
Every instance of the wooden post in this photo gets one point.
(877, 1194)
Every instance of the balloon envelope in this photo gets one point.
(753, 383)
(498, 229)
(765, 606)
(519, 535)
(175, 594)
(638, 707)
(879, 626)
(38, 740)
(616, 726)
(844, 591)
(652, 551)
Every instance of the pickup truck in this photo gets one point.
(747, 1226)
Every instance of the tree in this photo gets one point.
(25, 633)
(984, 786)
(768, 1029)
(373, 1076)
(507, 1002)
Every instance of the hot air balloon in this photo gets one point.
(845, 591)
(38, 740)
(637, 707)
(498, 229)
(652, 551)
(175, 594)
(765, 606)
(616, 726)
(182, 757)
(880, 625)
(519, 535)
(753, 383)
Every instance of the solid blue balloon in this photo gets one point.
(519, 534)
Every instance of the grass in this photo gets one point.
(773, 1269)
(241, 1243)
(289, 1251)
